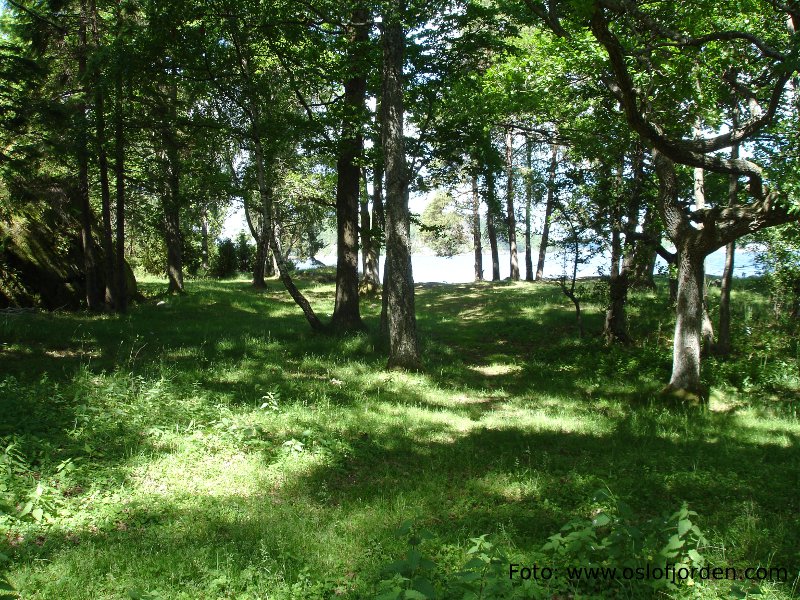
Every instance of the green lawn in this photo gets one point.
(215, 447)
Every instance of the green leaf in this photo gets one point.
(674, 543)
(26, 509)
(684, 525)
(405, 528)
(601, 520)
(37, 514)
(424, 586)
(415, 595)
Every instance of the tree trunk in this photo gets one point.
(687, 341)
(512, 221)
(94, 300)
(476, 230)
(378, 218)
(548, 211)
(119, 176)
(174, 242)
(102, 163)
(204, 239)
(262, 265)
(528, 204)
(172, 199)
(369, 245)
(689, 322)
(346, 314)
(644, 254)
(491, 209)
(723, 346)
(403, 342)
(615, 329)
(271, 225)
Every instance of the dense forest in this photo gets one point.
(134, 357)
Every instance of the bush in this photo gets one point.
(226, 260)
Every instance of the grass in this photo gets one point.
(214, 447)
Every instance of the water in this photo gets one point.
(460, 268)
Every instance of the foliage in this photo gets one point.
(444, 229)
(205, 441)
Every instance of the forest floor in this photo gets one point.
(215, 447)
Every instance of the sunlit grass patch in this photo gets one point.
(217, 448)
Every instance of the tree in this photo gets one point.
(443, 227)
(696, 234)
(402, 323)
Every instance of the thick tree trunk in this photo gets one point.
(94, 300)
(172, 199)
(548, 211)
(687, 342)
(512, 221)
(174, 242)
(119, 177)
(476, 230)
(528, 205)
(403, 343)
(346, 314)
(491, 232)
(102, 164)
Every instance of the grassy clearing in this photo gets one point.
(215, 447)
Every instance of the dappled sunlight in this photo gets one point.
(245, 452)
(496, 370)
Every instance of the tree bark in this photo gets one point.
(491, 232)
(102, 163)
(403, 343)
(476, 230)
(369, 245)
(512, 221)
(171, 200)
(346, 313)
(689, 322)
(528, 205)
(119, 175)
(548, 211)
(94, 299)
